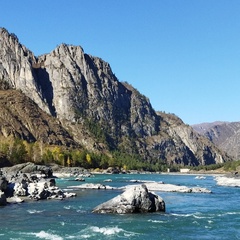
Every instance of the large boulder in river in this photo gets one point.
(134, 200)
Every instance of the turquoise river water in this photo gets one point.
(188, 215)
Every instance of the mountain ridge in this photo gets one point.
(225, 135)
(85, 97)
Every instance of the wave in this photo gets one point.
(156, 221)
(78, 209)
(94, 231)
(107, 230)
(194, 215)
(33, 211)
(182, 214)
(228, 213)
(47, 236)
(68, 207)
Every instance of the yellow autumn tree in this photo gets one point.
(57, 154)
(69, 161)
(89, 159)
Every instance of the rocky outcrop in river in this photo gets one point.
(134, 200)
(29, 181)
(229, 180)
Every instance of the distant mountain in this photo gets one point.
(226, 135)
(202, 128)
(70, 98)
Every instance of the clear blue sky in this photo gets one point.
(184, 55)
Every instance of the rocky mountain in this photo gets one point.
(226, 135)
(77, 100)
(21, 118)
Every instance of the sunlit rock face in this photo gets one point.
(134, 200)
(100, 113)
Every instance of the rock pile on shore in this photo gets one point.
(30, 181)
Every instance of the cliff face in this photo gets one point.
(16, 70)
(82, 94)
(225, 135)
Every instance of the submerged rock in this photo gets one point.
(134, 200)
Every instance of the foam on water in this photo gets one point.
(156, 221)
(106, 230)
(78, 209)
(33, 211)
(67, 207)
(228, 213)
(46, 236)
(194, 215)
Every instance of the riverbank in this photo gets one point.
(37, 182)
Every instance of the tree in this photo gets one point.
(17, 152)
(88, 159)
(68, 161)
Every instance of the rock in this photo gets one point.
(28, 167)
(112, 170)
(164, 187)
(20, 189)
(69, 195)
(136, 199)
(80, 179)
(33, 183)
(93, 186)
(45, 189)
(151, 185)
(42, 190)
(15, 199)
(108, 180)
(228, 181)
(3, 200)
(3, 183)
(71, 171)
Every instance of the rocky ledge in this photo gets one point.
(229, 180)
(29, 181)
(166, 187)
(136, 199)
(152, 186)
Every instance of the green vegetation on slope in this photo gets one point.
(15, 151)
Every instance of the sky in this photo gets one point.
(184, 55)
